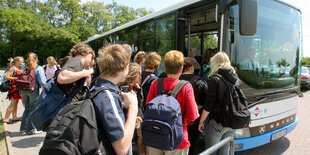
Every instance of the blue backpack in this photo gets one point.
(162, 127)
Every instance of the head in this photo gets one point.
(134, 75)
(32, 61)
(152, 60)
(85, 52)
(51, 61)
(174, 61)
(209, 53)
(188, 66)
(140, 58)
(220, 61)
(18, 62)
(113, 62)
(128, 49)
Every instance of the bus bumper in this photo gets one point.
(248, 143)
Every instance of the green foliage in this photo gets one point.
(305, 61)
(52, 27)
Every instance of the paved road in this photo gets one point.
(297, 142)
(21, 144)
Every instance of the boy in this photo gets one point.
(174, 61)
(200, 89)
(113, 64)
(151, 63)
(76, 71)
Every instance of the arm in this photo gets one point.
(41, 76)
(8, 75)
(203, 117)
(191, 108)
(122, 145)
(67, 77)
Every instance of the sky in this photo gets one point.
(161, 4)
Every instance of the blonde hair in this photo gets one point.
(127, 48)
(134, 71)
(114, 59)
(81, 49)
(139, 57)
(174, 61)
(220, 61)
(152, 60)
(51, 59)
(32, 61)
(16, 59)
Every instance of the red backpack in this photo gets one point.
(26, 80)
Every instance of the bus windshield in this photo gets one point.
(269, 59)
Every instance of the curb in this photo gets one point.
(8, 142)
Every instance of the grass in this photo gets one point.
(2, 138)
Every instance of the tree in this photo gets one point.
(305, 61)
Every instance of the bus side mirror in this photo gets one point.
(248, 17)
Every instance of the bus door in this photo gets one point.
(200, 31)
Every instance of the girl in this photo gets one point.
(13, 93)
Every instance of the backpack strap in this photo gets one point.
(160, 86)
(102, 88)
(146, 79)
(227, 83)
(178, 88)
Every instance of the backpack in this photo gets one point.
(233, 110)
(146, 79)
(162, 127)
(74, 131)
(26, 80)
(5, 85)
(50, 101)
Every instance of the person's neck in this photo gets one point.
(187, 72)
(51, 65)
(174, 76)
(113, 79)
(150, 70)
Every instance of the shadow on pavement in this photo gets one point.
(28, 142)
(16, 134)
(274, 148)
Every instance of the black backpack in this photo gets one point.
(74, 131)
(233, 111)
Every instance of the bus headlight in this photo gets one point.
(242, 133)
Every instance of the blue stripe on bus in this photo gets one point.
(256, 141)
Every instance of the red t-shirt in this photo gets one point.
(187, 102)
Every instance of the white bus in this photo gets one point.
(261, 37)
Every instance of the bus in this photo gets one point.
(261, 37)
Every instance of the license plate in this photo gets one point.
(278, 135)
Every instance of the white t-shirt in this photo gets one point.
(50, 71)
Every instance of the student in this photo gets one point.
(152, 62)
(13, 93)
(128, 49)
(174, 61)
(29, 97)
(114, 65)
(200, 89)
(133, 81)
(213, 128)
(50, 67)
(140, 58)
(77, 72)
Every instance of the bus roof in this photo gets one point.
(145, 18)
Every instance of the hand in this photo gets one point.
(138, 122)
(201, 127)
(130, 100)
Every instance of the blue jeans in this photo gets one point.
(29, 98)
(215, 132)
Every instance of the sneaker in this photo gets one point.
(33, 131)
